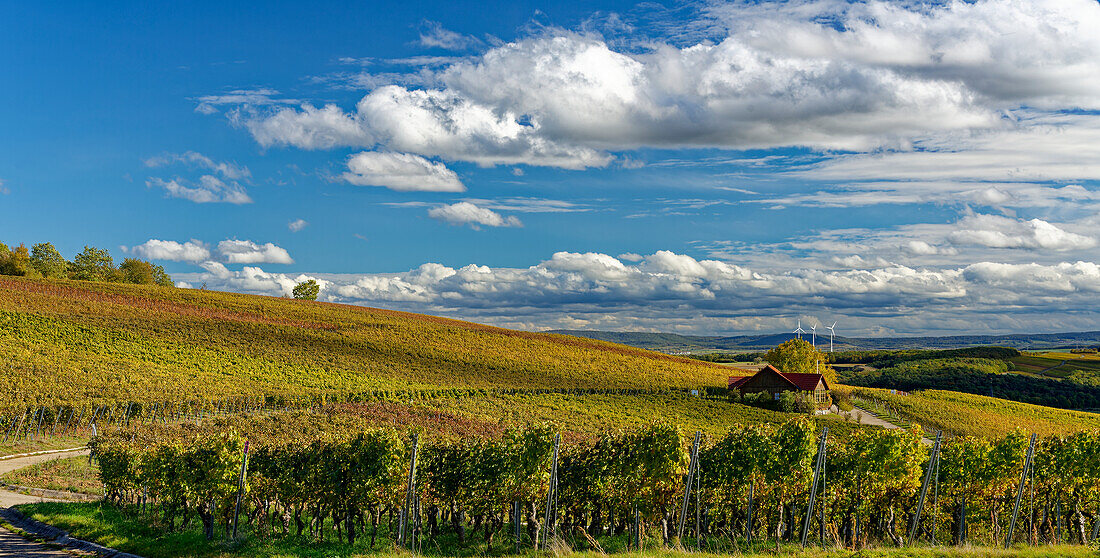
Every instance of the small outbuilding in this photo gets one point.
(771, 380)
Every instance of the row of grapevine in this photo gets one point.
(754, 484)
(32, 422)
(36, 422)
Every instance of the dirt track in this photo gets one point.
(12, 545)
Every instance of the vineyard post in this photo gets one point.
(698, 505)
(72, 415)
(552, 497)
(637, 529)
(859, 495)
(814, 484)
(1020, 491)
(515, 522)
(56, 419)
(924, 488)
(687, 485)
(409, 491)
(935, 497)
(748, 514)
(1031, 535)
(91, 420)
(240, 488)
(20, 425)
(37, 424)
(1058, 522)
(821, 520)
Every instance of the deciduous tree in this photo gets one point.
(47, 260)
(798, 356)
(307, 290)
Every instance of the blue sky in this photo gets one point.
(699, 168)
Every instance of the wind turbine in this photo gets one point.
(813, 330)
(831, 333)
(799, 331)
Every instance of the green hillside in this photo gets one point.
(75, 341)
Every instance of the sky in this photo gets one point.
(902, 168)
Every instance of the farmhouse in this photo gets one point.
(771, 380)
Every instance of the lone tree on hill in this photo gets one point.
(307, 290)
(800, 357)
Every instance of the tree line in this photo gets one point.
(43, 260)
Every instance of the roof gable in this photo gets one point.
(799, 381)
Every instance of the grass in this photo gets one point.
(41, 443)
(106, 525)
(115, 342)
(70, 474)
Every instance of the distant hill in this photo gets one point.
(63, 341)
(675, 343)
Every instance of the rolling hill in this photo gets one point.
(75, 341)
(675, 343)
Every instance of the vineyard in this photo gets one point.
(312, 475)
(74, 342)
(977, 415)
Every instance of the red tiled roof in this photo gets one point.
(738, 380)
(804, 382)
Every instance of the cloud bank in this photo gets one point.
(666, 290)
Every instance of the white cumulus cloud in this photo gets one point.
(207, 189)
(1001, 232)
(822, 74)
(297, 225)
(192, 251)
(402, 172)
(466, 213)
(248, 252)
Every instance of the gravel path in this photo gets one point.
(12, 545)
(871, 419)
(9, 498)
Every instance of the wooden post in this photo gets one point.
(1020, 491)
(924, 489)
